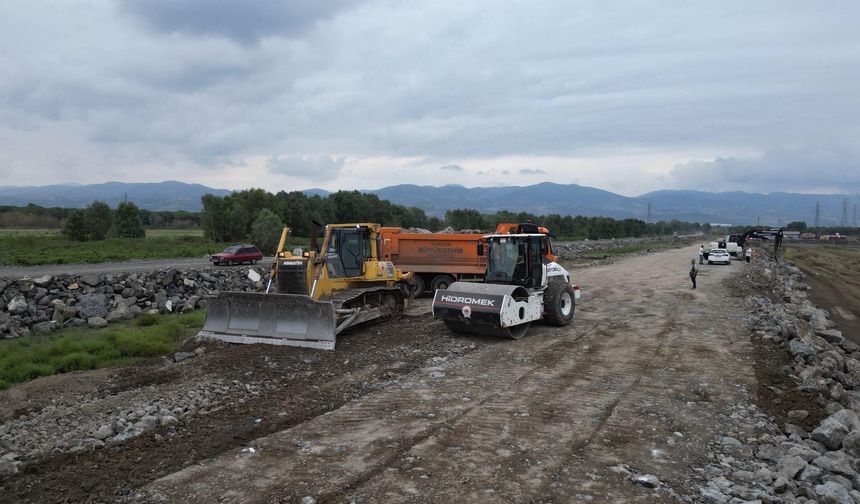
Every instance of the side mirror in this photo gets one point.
(480, 249)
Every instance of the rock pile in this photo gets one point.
(41, 305)
(790, 463)
(91, 422)
(586, 248)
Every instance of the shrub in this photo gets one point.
(76, 361)
(127, 223)
(147, 319)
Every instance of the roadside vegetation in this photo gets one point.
(82, 348)
(30, 249)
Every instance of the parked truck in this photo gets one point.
(436, 260)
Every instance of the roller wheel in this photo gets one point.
(441, 282)
(419, 287)
(514, 333)
(559, 304)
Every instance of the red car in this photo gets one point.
(237, 254)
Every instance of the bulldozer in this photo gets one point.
(313, 296)
(522, 285)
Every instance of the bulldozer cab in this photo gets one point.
(348, 249)
(516, 259)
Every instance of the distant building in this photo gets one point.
(791, 234)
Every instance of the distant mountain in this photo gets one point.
(544, 198)
(169, 195)
(316, 192)
(695, 206)
(736, 207)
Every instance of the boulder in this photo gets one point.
(798, 348)
(103, 432)
(834, 428)
(43, 328)
(833, 493)
(17, 305)
(790, 466)
(147, 422)
(25, 285)
(43, 281)
(121, 312)
(835, 462)
(831, 336)
(851, 444)
(92, 305)
(96, 322)
(169, 277)
(91, 280)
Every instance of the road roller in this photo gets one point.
(521, 286)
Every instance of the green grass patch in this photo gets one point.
(31, 250)
(29, 232)
(81, 348)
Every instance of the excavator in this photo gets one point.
(313, 296)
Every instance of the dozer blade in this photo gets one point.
(274, 319)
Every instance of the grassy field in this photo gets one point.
(82, 348)
(837, 264)
(34, 249)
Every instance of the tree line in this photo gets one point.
(575, 227)
(97, 221)
(258, 215)
(39, 217)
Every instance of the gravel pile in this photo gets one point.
(91, 422)
(590, 248)
(41, 305)
(793, 462)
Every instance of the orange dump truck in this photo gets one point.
(437, 260)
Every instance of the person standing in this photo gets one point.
(701, 254)
(748, 254)
(694, 271)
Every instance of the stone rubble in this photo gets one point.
(88, 423)
(788, 463)
(44, 304)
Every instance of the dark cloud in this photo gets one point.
(800, 169)
(207, 83)
(308, 167)
(452, 167)
(244, 21)
(532, 171)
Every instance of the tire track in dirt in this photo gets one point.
(540, 419)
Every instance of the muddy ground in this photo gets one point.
(833, 275)
(650, 372)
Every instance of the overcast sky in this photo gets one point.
(628, 96)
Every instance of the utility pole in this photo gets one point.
(817, 214)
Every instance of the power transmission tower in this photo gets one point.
(817, 214)
(844, 222)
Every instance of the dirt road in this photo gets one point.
(110, 267)
(643, 378)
